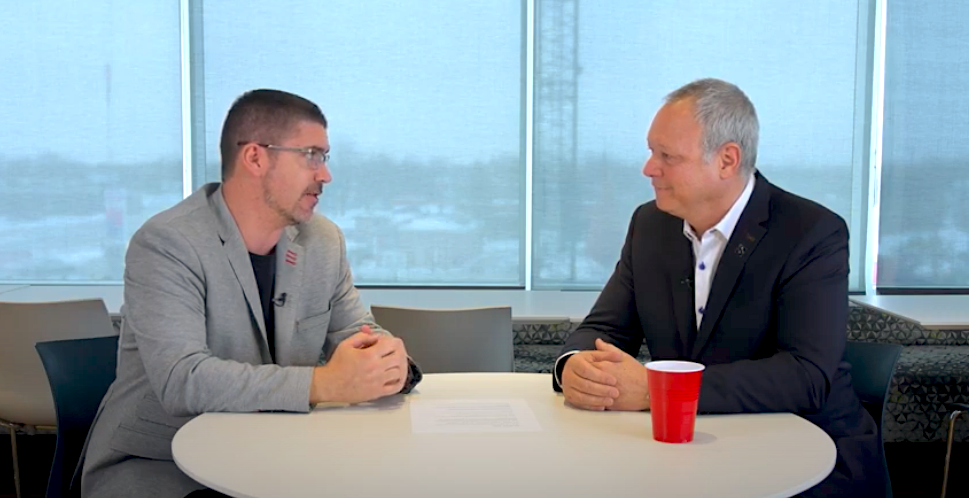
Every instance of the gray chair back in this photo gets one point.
(444, 341)
(25, 395)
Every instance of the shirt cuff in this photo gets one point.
(560, 365)
(414, 376)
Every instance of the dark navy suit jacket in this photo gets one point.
(773, 331)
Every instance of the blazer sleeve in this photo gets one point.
(165, 313)
(613, 317)
(810, 309)
(348, 314)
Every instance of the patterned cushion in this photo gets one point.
(540, 358)
(865, 324)
(536, 358)
(925, 379)
(542, 333)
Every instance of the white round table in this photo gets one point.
(370, 451)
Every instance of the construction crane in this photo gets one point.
(556, 115)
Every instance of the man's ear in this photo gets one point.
(729, 156)
(253, 159)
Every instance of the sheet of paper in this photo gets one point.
(472, 415)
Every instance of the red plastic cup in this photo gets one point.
(674, 389)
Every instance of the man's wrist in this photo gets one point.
(319, 387)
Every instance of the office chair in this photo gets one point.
(25, 396)
(464, 340)
(872, 367)
(80, 372)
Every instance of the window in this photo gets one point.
(429, 111)
(601, 74)
(924, 229)
(90, 140)
(424, 103)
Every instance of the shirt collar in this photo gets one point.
(729, 221)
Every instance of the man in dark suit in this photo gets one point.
(727, 270)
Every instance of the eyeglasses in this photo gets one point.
(315, 157)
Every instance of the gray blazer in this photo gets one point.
(193, 338)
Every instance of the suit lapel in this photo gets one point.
(746, 235)
(235, 250)
(681, 277)
(289, 260)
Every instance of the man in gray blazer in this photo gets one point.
(238, 299)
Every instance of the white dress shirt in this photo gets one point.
(706, 255)
(708, 248)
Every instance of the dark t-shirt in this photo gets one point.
(265, 269)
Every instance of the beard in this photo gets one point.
(291, 215)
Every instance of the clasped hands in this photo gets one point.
(605, 378)
(365, 366)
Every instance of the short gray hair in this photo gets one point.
(725, 114)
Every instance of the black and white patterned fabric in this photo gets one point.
(865, 324)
